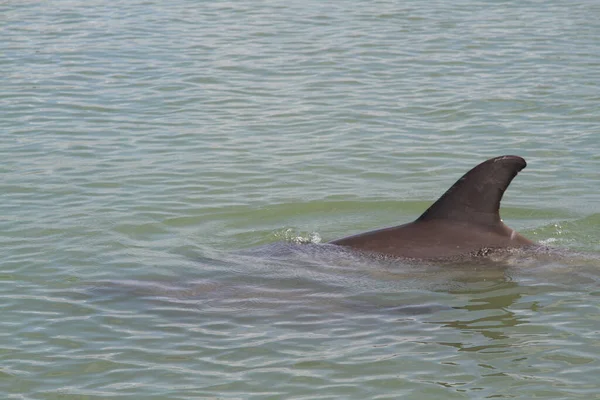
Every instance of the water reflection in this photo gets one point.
(488, 312)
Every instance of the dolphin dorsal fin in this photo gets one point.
(476, 196)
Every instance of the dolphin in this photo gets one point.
(465, 221)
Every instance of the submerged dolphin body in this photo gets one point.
(464, 221)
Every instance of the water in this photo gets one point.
(146, 143)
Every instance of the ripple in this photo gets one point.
(145, 145)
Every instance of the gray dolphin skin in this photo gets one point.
(464, 221)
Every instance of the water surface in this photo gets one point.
(146, 143)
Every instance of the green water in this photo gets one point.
(144, 144)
